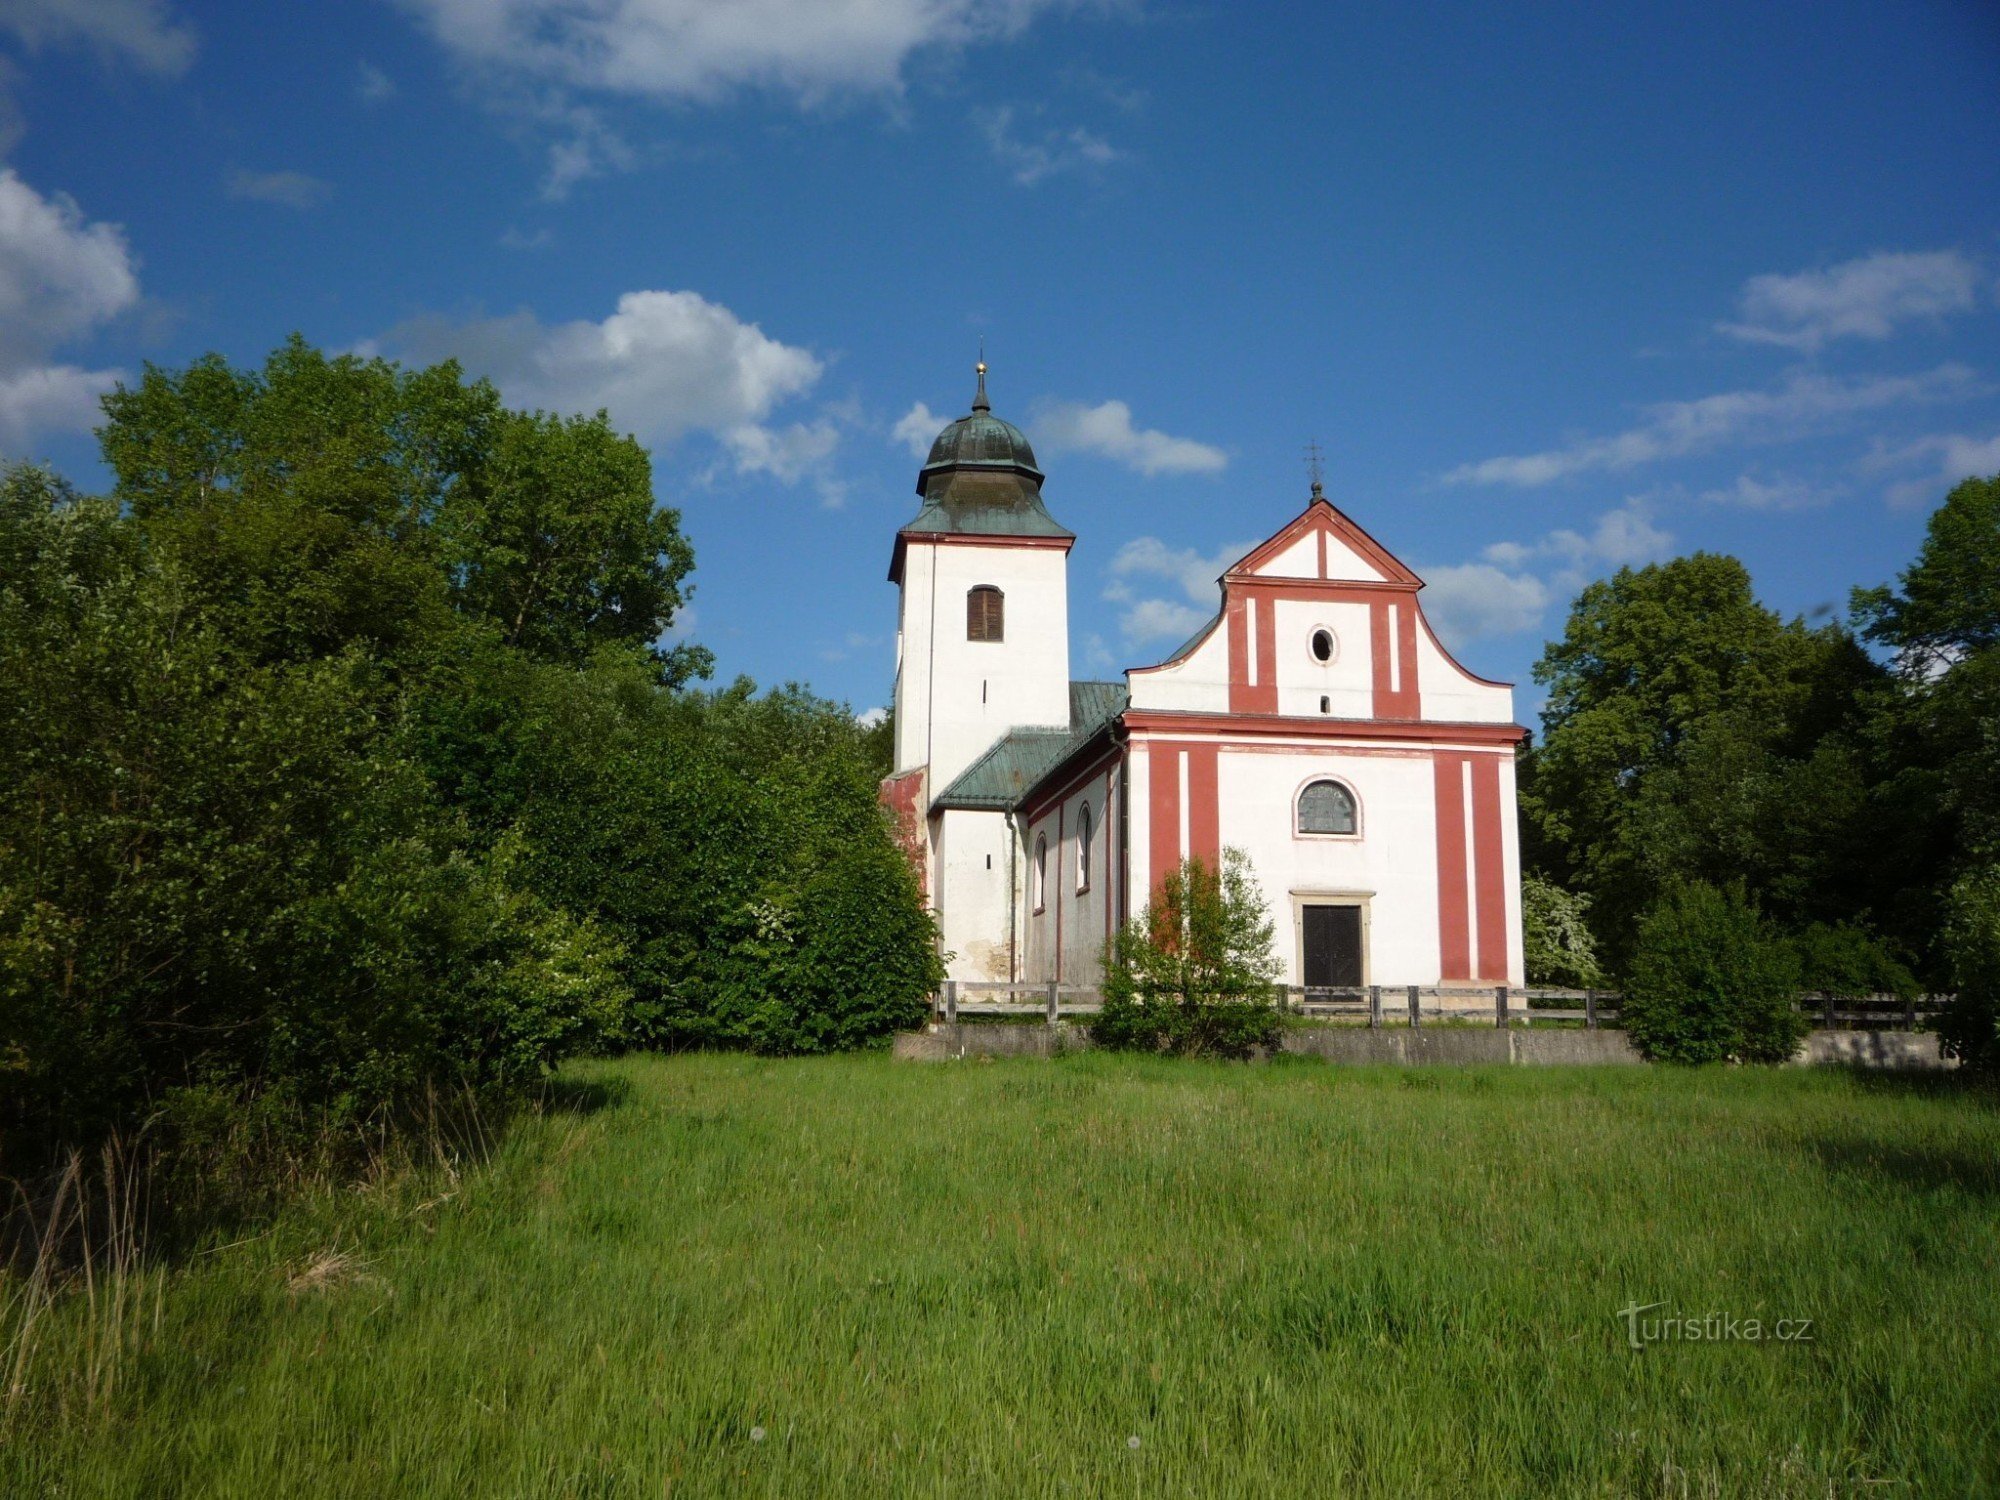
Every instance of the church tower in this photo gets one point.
(982, 640)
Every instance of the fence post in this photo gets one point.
(1416, 1017)
(951, 1002)
(1052, 1002)
(1500, 1006)
(1826, 1009)
(1375, 1005)
(1590, 1010)
(1910, 1013)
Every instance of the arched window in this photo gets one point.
(1084, 829)
(1326, 807)
(1040, 873)
(984, 615)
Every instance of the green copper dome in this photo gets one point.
(980, 480)
(979, 440)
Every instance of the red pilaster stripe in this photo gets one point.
(1265, 701)
(1454, 928)
(1163, 822)
(1378, 643)
(1239, 652)
(1410, 705)
(1487, 868)
(1204, 821)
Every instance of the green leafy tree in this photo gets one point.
(1192, 973)
(1692, 734)
(1560, 949)
(1710, 982)
(1970, 1026)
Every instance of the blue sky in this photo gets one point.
(1556, 287)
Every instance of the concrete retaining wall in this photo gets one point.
(1434, 1045)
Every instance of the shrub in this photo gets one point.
(1970, 1025)
(1846, 959)
(1560, 948)
(1709, 982)
(1192, 973)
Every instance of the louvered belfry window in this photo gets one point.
(983, 617)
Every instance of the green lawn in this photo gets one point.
(1094, 1276)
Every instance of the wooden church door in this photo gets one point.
(1332, 947)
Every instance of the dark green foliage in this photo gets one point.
(1192, 973)
(1850, 961)
(1691, 734)
(1709, 982)
(1971, 1026)
(341, 765)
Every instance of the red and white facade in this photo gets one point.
(1319, 666)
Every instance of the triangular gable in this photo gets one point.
(1352, 555)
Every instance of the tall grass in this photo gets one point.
(1098, 1275)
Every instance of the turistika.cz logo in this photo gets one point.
(1708, 1328)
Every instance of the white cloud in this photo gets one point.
(704, 49)
(1512, 584)
(1952, 457)
(1156, 619)
(1781, 493)
(1192, 572)
(868, 718)
(917, 429)
(61, 277)
(1865, 298)
(1475, 599)
(1671, 429)
(372, 84)
(663, 365)
(1107, 430)
(286, 189)
(1032, 152)
(144, 33)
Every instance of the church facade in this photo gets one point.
(1316, 723)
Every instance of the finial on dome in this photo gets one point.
(979, 401)
(1315, 468)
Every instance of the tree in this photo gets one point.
(1692, 734)
(1560, 949)
(321, 501)
(1709, 982)
(1192, 973)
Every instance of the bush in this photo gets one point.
(1191, 974)
(1709, 982)
(1970, 1025)
(1560, 948)
(1846, 959)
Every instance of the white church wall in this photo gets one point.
(1197, 683)
(957, 696)
(1448, 693)
(971, 851)
(1391, 865)
(1347, 682)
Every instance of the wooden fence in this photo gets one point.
(1416, 1005)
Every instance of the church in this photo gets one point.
(1316, 723)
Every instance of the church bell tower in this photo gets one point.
(982, 641)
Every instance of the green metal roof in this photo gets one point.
(981, 480)
(1018, 762)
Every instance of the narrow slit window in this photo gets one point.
(985, 614)
(1084, 829)
(1041, 871)
(1326, 807)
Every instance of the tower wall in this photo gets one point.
(954, 696)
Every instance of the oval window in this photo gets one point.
(1323, 645)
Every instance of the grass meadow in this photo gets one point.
(718, 1275)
